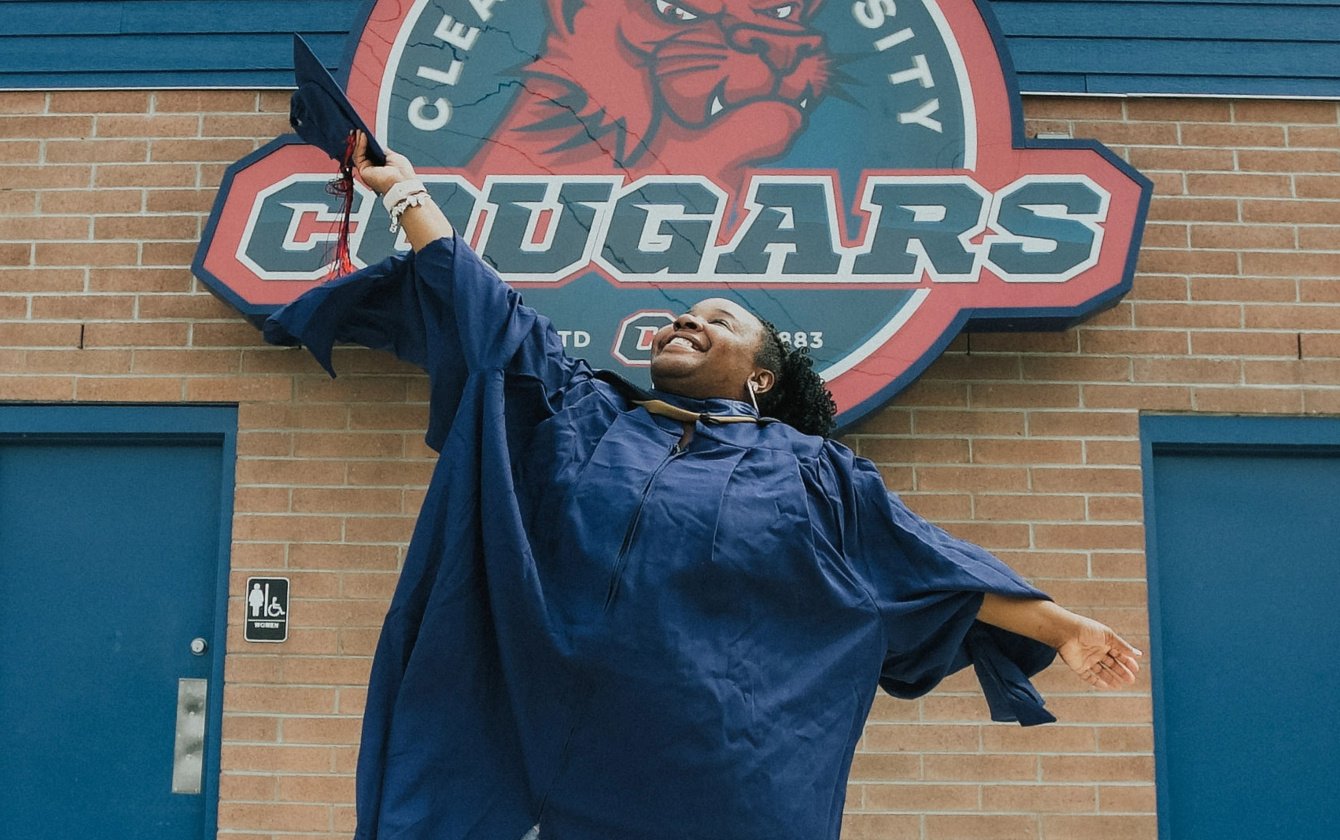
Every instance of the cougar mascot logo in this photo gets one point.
(644, 87)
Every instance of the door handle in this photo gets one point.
(188, 749)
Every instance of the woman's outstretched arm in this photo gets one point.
(423, 223)
(1091, 649)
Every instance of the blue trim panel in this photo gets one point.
(1222, 47)
(215, 423)
(1170, 434)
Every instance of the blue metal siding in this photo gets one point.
(1231, 47)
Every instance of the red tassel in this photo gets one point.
(343, 187)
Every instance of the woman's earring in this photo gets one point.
(752, 398)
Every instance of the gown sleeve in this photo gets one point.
(928, 587)
(441, 309)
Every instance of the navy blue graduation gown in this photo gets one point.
(618, 639)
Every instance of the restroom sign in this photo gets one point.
(266, 609)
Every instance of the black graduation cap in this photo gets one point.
(320, 111)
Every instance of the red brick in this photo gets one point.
(273, 816)
(857, 826)
(91, 201)
(1115, 508)
(1022, 342)
(1117, 565)
(167, 254)
(1312, 136)
(146, 227)
(1319, 239)
(1176, 159)
(29, 228)
(379, 529)
(269, 528)
(961, 366)
(1190, 262)
(1134, 799)
(943, 422)
(1089, 536)
(1317, 186)
(1303, 372)
(1290, 160)
(134, 335)
(323, 788)
(1028, 451)
(139, 280)
(1094, 827)
(121, 389)
(1075, 368)
(1248, 400)
(1320, 345)
(1031, 507)
(990, 768)
(1132, 342)
(204, 149)
(79, 307)
(31, 127)
(1242, 184)
(1196, 209)
(323, 730)
(185, 362)
(249, 126)
(1037, 798)
(98, 101)
(198, 101)
(1169, 235)
(1082, 423)
(53, 388)
(22, 102)
(179, 201)
(48, 177)
(1023, 395)
(981, 827)
(1125, 739)
(1069, 108)
(147, 126)
(1239, 237)
(1289, 211)
(40, 335)
(237, 787)
(920, 797)
(933, 478)
(1244, 343)
(1187, 315)
(20, 151)
(924, 393)
(1233, 136)
(1129, 134)
(1156, 370)
(96, 151)
(1292, 317)
(1178, 109)
(1284, 111)
(145, 175)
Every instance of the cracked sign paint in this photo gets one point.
(856, 172)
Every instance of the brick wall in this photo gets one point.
(1026, 443)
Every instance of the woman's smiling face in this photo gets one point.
(710, 351)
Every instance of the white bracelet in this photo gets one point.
(399, 191)
(411, 200)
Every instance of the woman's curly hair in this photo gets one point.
(799, 397)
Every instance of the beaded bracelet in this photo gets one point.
(402, 196)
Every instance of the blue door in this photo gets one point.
(1243, 519)
(113, 537)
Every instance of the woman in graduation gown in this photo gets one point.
(631, 615)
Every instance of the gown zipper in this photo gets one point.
(621, 560)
